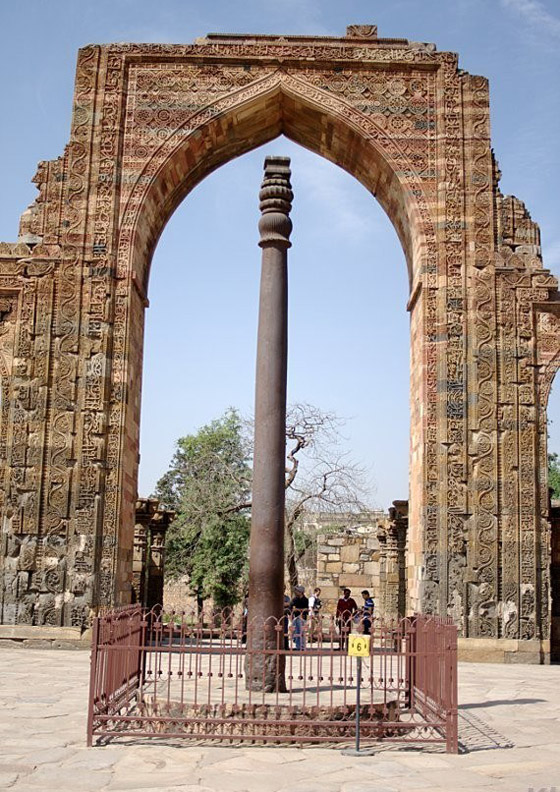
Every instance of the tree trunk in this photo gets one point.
(291, 560)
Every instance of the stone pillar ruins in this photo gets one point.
(266, 560)
(391, 534)
(149, 551)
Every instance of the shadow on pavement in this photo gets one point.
(476, 735)
(500, 703)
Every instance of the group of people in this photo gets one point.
(348, 612)
(304, 614)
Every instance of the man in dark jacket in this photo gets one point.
(300, 611)
(345, 608)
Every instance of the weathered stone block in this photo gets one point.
(350, 552)
(355, 580)
(329, 593)
(30, 643)
(502, 650)
(23, 631)
(70, 645)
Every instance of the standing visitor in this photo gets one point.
(345, 608)
(286, 619)
(315, 603)
(300, 611)
(367, 612)
(315, 606)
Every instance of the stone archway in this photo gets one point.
(149, 122)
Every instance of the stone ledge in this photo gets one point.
(503, 650)
(22, 632)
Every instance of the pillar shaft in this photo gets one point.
(266, 563)
(269, 463)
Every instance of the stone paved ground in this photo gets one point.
(42, 742)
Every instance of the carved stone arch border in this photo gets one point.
(6, 363)
(548, 348)
(158, 170)
(547, 359)
(9, 301)
(172, 170)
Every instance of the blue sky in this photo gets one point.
(348, 286)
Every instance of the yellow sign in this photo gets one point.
(358, 645)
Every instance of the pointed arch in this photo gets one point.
(278, 103)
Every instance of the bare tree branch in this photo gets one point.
(319, 475)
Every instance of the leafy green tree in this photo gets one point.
(554, 475)
(219, 562)
(208, 485)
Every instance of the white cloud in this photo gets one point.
(536, 14)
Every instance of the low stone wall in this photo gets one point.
(44, 637)
(503, 650)
(177, 596)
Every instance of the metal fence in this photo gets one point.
(157, 674)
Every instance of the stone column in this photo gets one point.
(149, 551)
(266, 560)
(155, 561)
(139, 563)
(145, 509)
(395, 582)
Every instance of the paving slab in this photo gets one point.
(509, 730)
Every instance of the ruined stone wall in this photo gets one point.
(149, 122)
(347, 555)
(350, 562)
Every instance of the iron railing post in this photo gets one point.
(411, 648)
(92, 679)
(358, 689)
(452, 742)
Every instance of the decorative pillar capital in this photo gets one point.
(276, 198)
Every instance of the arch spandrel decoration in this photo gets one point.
(173, 162)
(150, 121)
